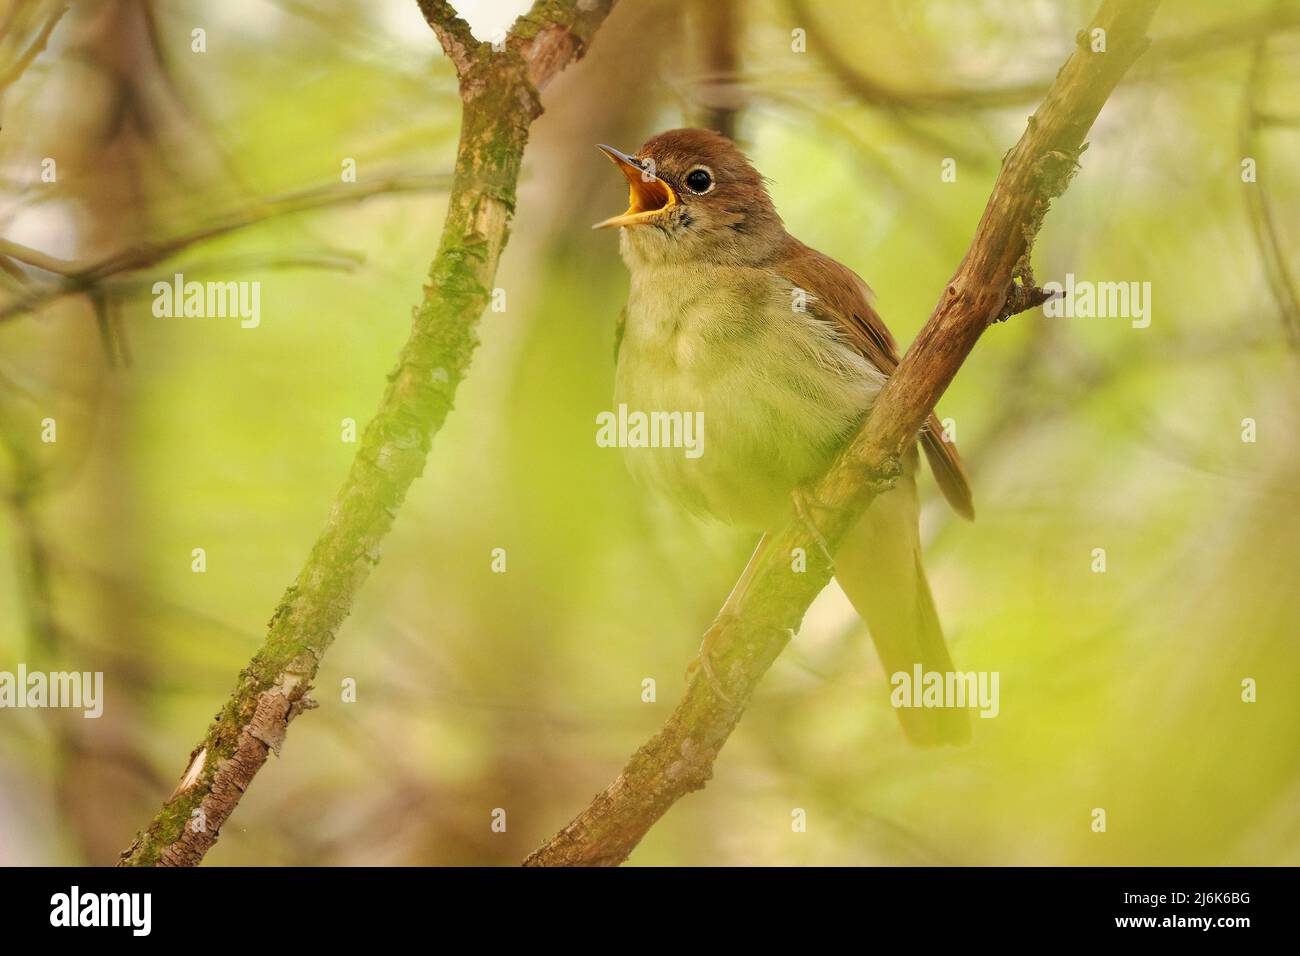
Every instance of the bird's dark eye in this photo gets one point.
(698, 180)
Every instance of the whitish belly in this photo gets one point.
(776, 390)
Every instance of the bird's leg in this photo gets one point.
(729, 613)
(804, 508)
(702, 659)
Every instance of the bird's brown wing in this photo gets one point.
(837, 294)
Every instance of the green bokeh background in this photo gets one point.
(523, 690)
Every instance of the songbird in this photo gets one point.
(781, 350)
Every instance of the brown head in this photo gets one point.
(694, 197)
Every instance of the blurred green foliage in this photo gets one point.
(523, 690)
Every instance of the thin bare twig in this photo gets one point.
(1259, 195)
(1170, 50)
(79, 277)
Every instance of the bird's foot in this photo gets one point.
(704, 659)
(804, 507)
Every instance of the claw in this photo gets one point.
(803, 508)
(703, 661)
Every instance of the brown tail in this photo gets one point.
(879, 567)
(946, 465)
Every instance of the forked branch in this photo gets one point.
(500, 92)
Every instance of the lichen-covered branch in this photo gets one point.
(679, 759)
(500, 93)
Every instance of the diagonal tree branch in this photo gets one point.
(499, 90)
(679, 759)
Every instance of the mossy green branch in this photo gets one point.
(500, 93)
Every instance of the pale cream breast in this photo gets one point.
(778, 388)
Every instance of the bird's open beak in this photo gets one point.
(648, 195)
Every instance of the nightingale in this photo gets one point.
(780, 348)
